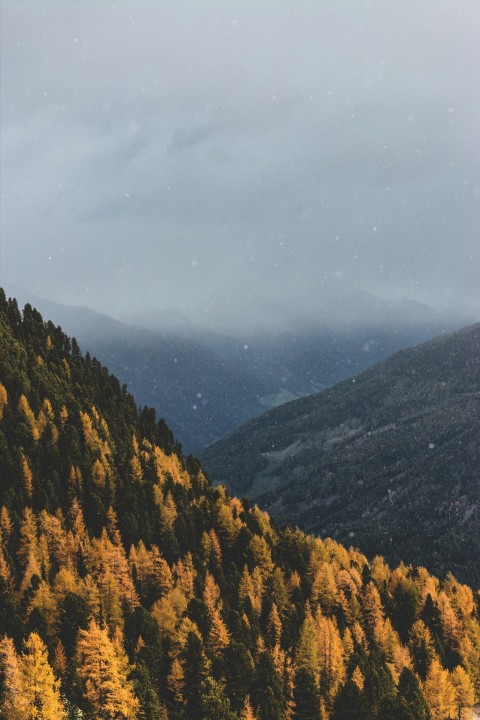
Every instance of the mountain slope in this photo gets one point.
(201, 395)
(205, 384)
(131, 588)
(390, 458)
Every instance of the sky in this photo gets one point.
(240, 159)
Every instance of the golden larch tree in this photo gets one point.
(13, 704)
(104, 668)
(439, 692)
(464, 692)
(3, 399)
(40, 688)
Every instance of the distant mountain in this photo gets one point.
(389, 460)
(205, 383)
(201, 395)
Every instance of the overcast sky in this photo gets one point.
(242, 155)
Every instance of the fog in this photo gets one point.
(240, 161)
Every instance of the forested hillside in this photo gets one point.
(390, 457)
(131, 588)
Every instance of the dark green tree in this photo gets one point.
(306, 697)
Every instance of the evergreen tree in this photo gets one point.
(411, 701)
(351, 704)
(267, 692)
(306, 697)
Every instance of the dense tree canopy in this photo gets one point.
(132, 588)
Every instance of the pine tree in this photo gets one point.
(411, 701)
(195, 669)
(351, 704)
(306, 697)
(213, 702)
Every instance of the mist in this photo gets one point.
(238, 163)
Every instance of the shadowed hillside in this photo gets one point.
(390, 458)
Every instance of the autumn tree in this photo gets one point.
(40, 689)
(13, 703)
(464, 691)
(103, 666)
(439, 692)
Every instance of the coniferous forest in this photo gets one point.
(131, 588)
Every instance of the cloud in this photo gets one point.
(194, 153)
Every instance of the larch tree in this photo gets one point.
(464, 692)
(103, 667)
(3, 399)
(330, 654)
(247, 711)
(218, 636)
(13, 705)
(439, 692)
(422, 648)
(40, 688)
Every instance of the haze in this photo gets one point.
(241, 160)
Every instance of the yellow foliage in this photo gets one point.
(166, 617)
(91, 436)
(218, 636)
(75, 481)
(261, 553)
(464, 691)
(372, 606)
(40, 688)
(330, 653)
(104, 666)
(324, 587)
(170, 465)
(175, 680)
(168, 512)
(99, 474)
(45, 602)
(185, 575)
(27, 475)
(357, 678)
(136, 471)
(162, 574)
(211, 594)
(3, 399)
(14, 704)
(274, 626)
(66, 367)
(5, 524)
(229, 524)
(439, 692)
(29, 416)
(247, 711)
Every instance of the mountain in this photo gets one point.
(205, 383)
(132, 588)
(389, 458)
(201, 394)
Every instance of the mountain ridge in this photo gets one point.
(375, 437)
(206, 383)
